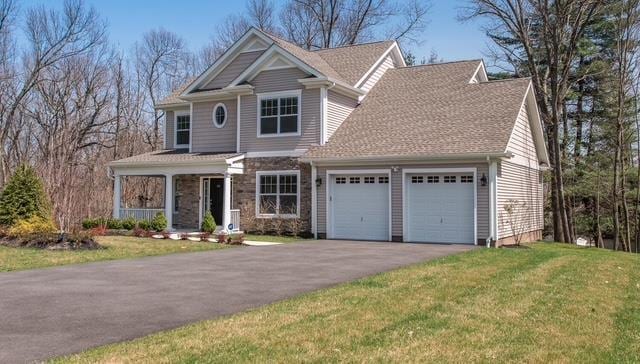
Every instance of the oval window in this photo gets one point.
(219, 115)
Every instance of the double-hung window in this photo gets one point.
(278, 194)
(279, 113)
(183, 130)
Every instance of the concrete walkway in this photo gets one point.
(55, 311)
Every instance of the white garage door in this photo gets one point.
(359, 206)
(440, 207)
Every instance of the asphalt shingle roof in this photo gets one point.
(352, 62)
(429, 110)
(173, 156)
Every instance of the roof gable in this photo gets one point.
(429, 110)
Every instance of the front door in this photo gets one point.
(213, 195)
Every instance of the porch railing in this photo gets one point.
(235, 219)
(139, 214)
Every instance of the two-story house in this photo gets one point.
(353, 143)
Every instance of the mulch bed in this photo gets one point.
(51, 242)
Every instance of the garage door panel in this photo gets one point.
(359, 210)
(439, 211)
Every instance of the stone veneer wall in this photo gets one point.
(244, 191)
(188, 215)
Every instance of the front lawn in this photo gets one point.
(548, 303)
(117, 247)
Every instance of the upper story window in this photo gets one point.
(219, 115)
(279, 114)
(183, 130)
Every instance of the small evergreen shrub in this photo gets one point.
(159, 222)
(24, 197)
(208, 223)
(144, 225)
(114, 224)
(32, 225)
(129, 223)
(89, 223)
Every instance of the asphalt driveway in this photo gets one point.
(55, 311)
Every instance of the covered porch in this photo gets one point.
(185, 187)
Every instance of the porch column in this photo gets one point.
(226, 209)
(116, 196)
(168, 200)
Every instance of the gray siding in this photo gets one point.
(397, 191)
(338, 109)
(206, 136)
(169, 119)
(521, 142)
(233, 70)
(377, 75)
(275, 81)
(522, 187)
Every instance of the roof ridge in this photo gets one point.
(439, 63)
(506, 80)
(352, 45)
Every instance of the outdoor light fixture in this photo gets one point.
(483, 180)
(318, 182)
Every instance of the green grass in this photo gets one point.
(117, 247)
(273, 239)
(549, 303)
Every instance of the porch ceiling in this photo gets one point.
(163, 162)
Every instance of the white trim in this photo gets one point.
(168, 200)
(323, 115)
(409, 158)
(164, 130)
(480, 71)
(160, 170)
(295, 172)
(276, 153)
(278, 95)
(398, 55)
(226, 115)
(405, 230)
(328, 223)
(238, 107)
(225, 59)
(270, 66)
(117, 195)
(255, 46)
(493, 200)
(176, 114)
(314, 201)
(257, 66)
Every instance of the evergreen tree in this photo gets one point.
(23, 198)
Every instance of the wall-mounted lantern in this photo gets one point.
(318, 182)
(483, 180)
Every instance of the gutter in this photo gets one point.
(418, 158)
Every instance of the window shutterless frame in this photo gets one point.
(278, 193)
(277, 96)
(221, 109)
(177, 115)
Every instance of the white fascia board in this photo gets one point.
(226, 58)
(337, 86)
(173, 106)
(481, 72)
(222, 94)
(398, 58)
(535, 124)
(408, 159)
(258, 64)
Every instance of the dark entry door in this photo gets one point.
(215, 192)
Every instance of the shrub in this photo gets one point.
(24, 197)
(159, 222)
(114, 224)
(89, 223)
(236, 238)
(129, 223)
(100, 230)
(32, 225)
(140, 232)
(208, 223)
(144, 225)
(223, 238)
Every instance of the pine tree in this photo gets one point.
(208, 223)
(24, 197)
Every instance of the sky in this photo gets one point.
(195, 21)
